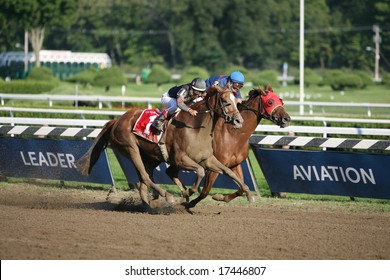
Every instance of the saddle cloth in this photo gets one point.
(143, 128)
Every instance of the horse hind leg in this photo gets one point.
(157, 190)
(144, 173)
(143, 192)
(164, 193)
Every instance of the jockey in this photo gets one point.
(180, 96)
(235, 80)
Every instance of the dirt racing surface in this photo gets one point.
(40, 222)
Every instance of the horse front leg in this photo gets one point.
(227, 198)
(173, 172)
(188, 164)
(209, 182)
(217, 164)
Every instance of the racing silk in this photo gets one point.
(222, 81)
(182, 94)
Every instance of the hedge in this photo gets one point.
(340, 80)
(386, 79)
(159, 75)
(264, 78)
(193, 72)
(85, 77)
(27, 86)
(41, 74)
(110, 77)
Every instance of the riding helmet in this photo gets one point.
(237, 77)
(198, 84)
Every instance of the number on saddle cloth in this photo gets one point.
(142, 126)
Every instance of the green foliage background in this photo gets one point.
(211, 34)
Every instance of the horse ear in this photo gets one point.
(218, 88)
(269, 88)
(262, 91)
(213, 89)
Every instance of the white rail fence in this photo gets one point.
(77, 98)
(312, 104)
(100, 100)
(260, 128)
(83, 112)
(324, 130)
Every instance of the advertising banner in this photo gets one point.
(49, 159)
(187, 177)
(326, 172)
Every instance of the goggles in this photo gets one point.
(238, 85)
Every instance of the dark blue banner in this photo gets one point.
(49, 159)
(187, 177)
(326, 172)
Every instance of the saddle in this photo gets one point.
(143, 128)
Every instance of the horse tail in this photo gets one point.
(88, 160)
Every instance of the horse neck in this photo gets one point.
(203, 120)
(251, 119)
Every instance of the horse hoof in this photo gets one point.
(170, 199)
(218, 197)
(155, 203)
(251, 199)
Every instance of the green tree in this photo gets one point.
(210, 34)
(318, 49)
(36, 15)
(159, 75)
(382, 17)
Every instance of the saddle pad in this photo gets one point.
(142, 125)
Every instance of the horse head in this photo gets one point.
(270, 106)
(221, 100)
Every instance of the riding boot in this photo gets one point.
(159, 121)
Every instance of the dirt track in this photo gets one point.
(49, 223)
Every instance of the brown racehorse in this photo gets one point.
(188, 142)
(231, 147)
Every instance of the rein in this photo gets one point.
(224, 115)
(213, 111)
(259, 111)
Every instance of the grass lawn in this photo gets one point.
(371, 94)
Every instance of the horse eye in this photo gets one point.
(271, 102)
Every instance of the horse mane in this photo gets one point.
(211, 91)
(254, 92)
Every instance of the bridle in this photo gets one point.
(267, 105)
(219, 106)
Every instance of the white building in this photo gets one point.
(62, 63)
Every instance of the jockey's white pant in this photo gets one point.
(169, 103)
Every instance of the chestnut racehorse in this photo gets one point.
(188, 142)
(231, 147)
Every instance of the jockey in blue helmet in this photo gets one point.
(236, 81)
